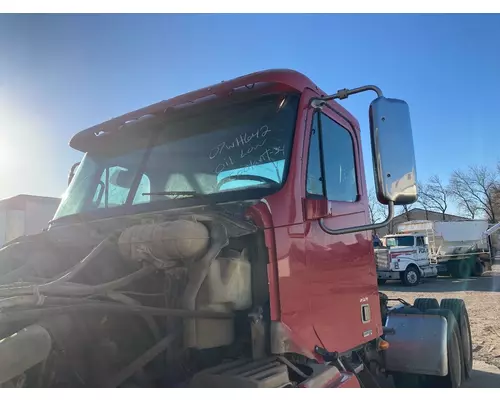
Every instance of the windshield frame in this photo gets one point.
(397, 242)
(231, 195)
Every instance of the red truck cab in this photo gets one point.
(287, 156)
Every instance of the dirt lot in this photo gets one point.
(482, 297)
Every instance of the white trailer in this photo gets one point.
(25, 215)
(459, 248)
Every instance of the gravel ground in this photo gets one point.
(482, 298)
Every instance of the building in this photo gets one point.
(25, 215)
(417, 214)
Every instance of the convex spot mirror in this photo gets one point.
(393, 151)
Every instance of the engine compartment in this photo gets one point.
(130, 302)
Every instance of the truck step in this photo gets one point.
(244, 373)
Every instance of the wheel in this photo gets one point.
(456, 372)
(455, 362)
(411, 276)
(452, 267)
(478, 269)
(462, 269)
(424, 304)
(459, 310)
(444, 273)
(381, 281)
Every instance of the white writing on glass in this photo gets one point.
(266, 156)
(228, 162)
(251, 149)
(242, 140)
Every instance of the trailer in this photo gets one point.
(458, 248)
(25, 215)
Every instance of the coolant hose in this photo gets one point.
(70, 289)
(20, 289)
(120, 297)
(23, 350)
(92, 305)
(77, 268)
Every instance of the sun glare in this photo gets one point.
(6, 156)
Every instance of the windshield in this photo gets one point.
(400, 241)
(236, 148)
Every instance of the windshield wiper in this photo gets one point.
(190, 193)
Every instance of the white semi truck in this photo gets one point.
(25, 215)
(423, 249)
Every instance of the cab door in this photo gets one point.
(343, 291)
(422, 252)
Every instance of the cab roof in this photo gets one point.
(292, 79)
(405, 234)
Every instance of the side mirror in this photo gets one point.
(72, 172)
(393, 152)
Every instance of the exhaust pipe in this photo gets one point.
(23, 350)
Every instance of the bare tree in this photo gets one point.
(377, 211)
(422, 199)
(466, 202)
(435, 195)
(406, 211)
(479, 184)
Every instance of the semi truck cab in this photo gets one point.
(405, 257)
(222, 238)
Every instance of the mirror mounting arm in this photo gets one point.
(354, 229)
(318, 102)
(71, 174)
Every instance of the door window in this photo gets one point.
(331, 170)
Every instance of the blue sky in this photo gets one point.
(60, 74)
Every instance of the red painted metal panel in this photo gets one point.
(322, 279)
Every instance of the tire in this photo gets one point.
(456, 372)
(444, 273)
(462, 269)
(381, 281)
(478, 269)
(406, 310)
(459, 310)
(452, 267)
(411, 276)
(424, 304)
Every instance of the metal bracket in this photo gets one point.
(342, 94)
(328, 356)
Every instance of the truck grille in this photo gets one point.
(382, 258)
